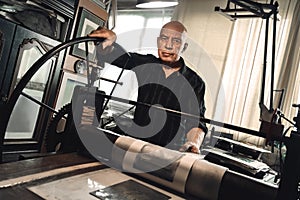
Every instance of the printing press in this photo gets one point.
(227, 170)
(187, 174)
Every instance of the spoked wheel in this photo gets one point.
(61, 136)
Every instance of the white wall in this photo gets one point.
(211, 32)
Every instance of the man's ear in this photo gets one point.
(185, 46)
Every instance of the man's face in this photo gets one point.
(170, 44)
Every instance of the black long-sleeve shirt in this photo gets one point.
(182, 91)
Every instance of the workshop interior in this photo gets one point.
(60, 103)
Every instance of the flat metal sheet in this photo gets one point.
(81, 186)
(129, 190)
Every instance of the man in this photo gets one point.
(167, 82)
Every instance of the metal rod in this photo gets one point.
(112, 81)
(281, 99)
(115, 85)
(191, 116)
(38, 102)
(282, 115)
(273, 56)
(243, 16)
(262, 95)
(87, 63)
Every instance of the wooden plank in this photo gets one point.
(36, 165)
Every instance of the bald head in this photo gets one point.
(171, 41)
(176, 26)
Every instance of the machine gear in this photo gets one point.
(61, 134)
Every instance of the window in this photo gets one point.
(135, 22)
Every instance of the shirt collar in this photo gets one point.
(183, 66)
(180, 62)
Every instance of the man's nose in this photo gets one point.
(169, 44)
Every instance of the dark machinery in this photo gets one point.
(290, 179)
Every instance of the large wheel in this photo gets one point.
(57, 137)
(6, 110)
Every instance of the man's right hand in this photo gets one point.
(110, 36)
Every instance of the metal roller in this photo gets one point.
(184, 168)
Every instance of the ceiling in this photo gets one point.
(126, 4)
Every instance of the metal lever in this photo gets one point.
(297, 118)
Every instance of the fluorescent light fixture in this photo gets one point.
(156, 3)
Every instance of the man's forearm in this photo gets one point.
(196, 135)
(195, 138)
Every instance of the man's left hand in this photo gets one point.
(195, 138)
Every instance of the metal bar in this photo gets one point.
(191, 116)
(263, 85)
(38, 102)
(229, 10)
(115, 85)
(281, 98)
(112, 81)
(89, 81)
(273, 56)
(244, 16)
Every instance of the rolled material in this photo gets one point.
(205, 180)
(181, 172)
